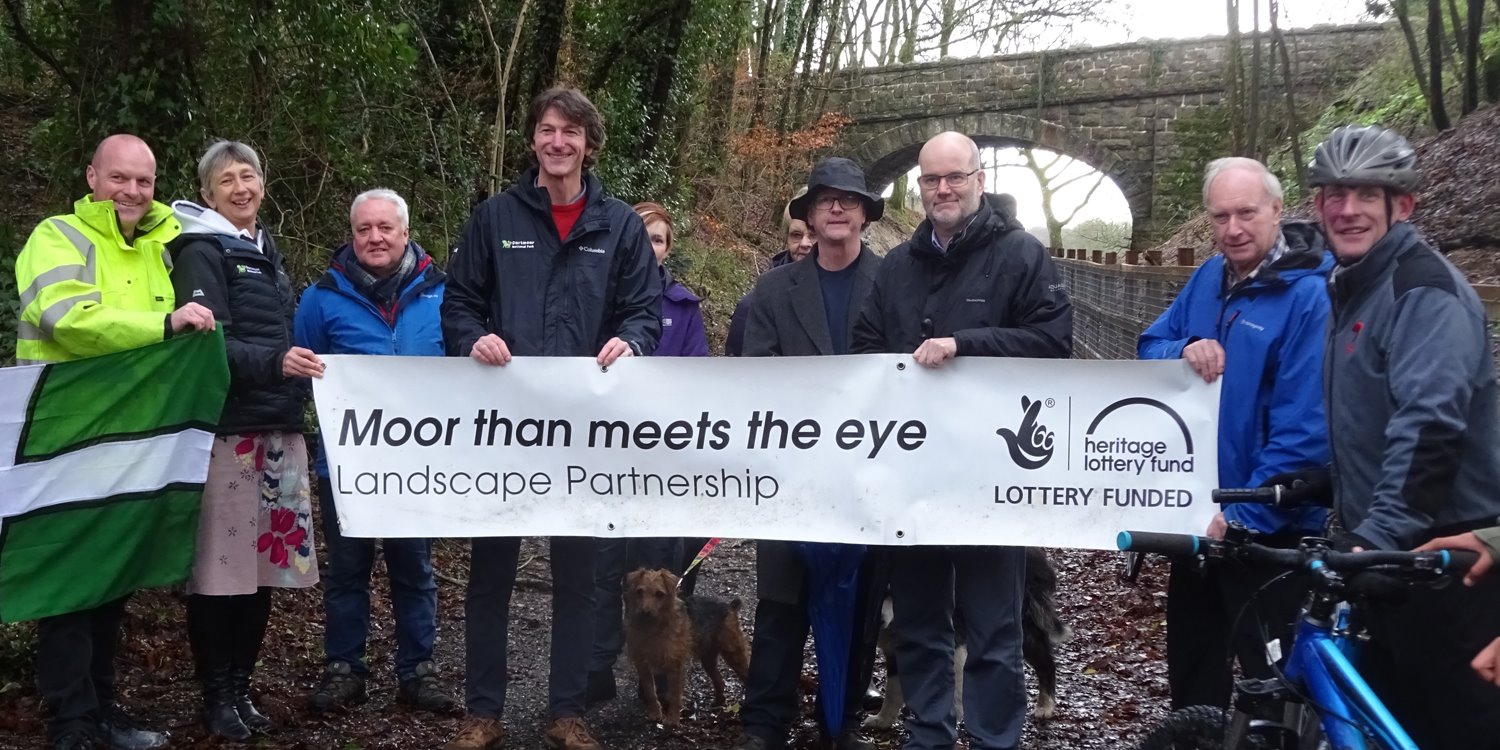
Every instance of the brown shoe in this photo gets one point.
(478, 733)
(570, 734)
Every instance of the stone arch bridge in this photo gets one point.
(1116, 108)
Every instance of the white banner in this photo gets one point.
(867, 449)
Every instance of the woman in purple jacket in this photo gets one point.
(682, 332)
(682, 335)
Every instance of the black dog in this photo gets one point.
(1041, 630)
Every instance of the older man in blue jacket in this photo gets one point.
(1254, 314)
(382, 295)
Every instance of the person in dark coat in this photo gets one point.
(381, 296)
(682, 335)
(257, 487)
(969, 283)
(800, 310)
(797, 241)
(551, 267)
(1413, 406)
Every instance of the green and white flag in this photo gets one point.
(102, 464)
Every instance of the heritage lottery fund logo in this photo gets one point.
(1130, 438)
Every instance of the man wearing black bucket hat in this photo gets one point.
(797, 310)
(969, 283)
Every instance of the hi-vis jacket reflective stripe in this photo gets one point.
(86, 291)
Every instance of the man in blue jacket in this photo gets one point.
(381, 296)
(552, 267)
(1253, 314)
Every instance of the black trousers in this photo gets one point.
(1202, 607)
(1417, 661)
(776, 650)
(492, 578)
(226, 632)
(75, 666)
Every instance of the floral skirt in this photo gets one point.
(255, 528)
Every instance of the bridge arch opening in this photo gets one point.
(1083, 208)
(893, 152)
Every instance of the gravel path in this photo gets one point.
(1112, 674)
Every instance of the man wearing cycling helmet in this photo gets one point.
(1414, 425)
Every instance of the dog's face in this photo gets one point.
(650, 594)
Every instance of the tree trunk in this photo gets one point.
(666, 75)
(721, 93)
(1403, 17)
(1435, 64)
(1289, 88)
(762, 59)
(153, 50)
(897, 201)
(1253, 127)
(546, 40)
(803, 51)
(1460, 39)
(946, 27)
(909, 36)
(503, 70)
(1471, 56)
(1234, 80)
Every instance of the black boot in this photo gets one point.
(255, 721)
(220, 718)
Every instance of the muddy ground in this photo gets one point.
(1112, 674)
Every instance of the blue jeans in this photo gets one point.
(346, 594)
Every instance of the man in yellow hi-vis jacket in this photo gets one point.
(92, 282)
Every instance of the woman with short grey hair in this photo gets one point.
(255, 526)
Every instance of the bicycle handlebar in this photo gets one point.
(1298, 494)
(1450, 562)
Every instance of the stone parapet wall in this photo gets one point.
(1116, 108)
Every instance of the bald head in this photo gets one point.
(952, 145)
(121, 144)
(952, 182)
(124, 171)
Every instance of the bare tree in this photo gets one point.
(1289, 88)
(1471, 56)
(503, 65)
(1435, 65)
(1403, 18)
(1049, 178)
(1234, 79)
(1253, 125)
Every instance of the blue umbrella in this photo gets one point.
(832, 593)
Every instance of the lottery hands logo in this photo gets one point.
(1031, 445)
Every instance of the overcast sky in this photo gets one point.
(1155, 19)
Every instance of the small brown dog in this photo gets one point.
(716, 633)
(661, 631)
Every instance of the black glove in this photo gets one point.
(1311, 486)
(1346, 542)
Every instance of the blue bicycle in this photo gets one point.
(1317, 701)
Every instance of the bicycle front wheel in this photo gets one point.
(1192, 728)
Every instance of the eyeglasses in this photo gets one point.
(847, 201)
(955, 180)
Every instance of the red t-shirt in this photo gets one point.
(566, 215)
